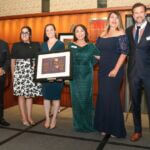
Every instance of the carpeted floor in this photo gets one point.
(63, 137)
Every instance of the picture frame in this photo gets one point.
(53, 66)
(66, 38)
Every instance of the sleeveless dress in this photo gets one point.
(108, 114)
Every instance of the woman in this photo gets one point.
(51, 90)
(113, 46)
(22, 64)
(81, 86)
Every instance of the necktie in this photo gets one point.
(137, 35)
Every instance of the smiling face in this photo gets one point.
(139, 14)
(113, 21)
(80, 33)
(50, 31)
(25, 35)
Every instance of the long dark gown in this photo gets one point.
(108, 114)
(52, 90)
(82, 86)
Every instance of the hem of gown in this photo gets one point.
(111, 133)
(84, 130)
(50, 99)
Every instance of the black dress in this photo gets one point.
(108, 114)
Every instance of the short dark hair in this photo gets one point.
(45, 38)
(29, 29)
(138, 5)
(85, 30)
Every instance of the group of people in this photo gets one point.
(110, 52)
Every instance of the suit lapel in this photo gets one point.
(144, 33)
(132, 35)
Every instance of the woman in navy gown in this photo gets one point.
(51, 90)
(113, 46)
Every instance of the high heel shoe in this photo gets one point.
(32, 123)
(113, 136)
(103, 133)
(53, 125)
(26, 123)
(47, 125)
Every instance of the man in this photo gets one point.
(139, 64)
(4, 65)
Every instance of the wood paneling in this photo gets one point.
(64, 21)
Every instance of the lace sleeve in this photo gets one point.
(96, 52)
(123, 45)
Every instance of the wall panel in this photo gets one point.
(10, 30)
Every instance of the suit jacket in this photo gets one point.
(139, 56)
(4, 55)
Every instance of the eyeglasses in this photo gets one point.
(25, 33)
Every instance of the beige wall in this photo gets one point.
(60, 5)
(119, 3)
(15, 7)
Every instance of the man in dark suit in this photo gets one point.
(139, 64)
(4, 66)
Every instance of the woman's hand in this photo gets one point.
(97, 57)
(113, 73)
(59, 80)
(51, 79)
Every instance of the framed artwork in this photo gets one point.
(66, 38)
(53, 66)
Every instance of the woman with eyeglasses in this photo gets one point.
(22, 65)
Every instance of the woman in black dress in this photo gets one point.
(113, 46)
(22, 64)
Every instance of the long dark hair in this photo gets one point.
(119, 18)
(85, 30)
(45, 38)
(30, 32)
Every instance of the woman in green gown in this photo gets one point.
(84, 57)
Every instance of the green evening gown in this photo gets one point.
(82, 86)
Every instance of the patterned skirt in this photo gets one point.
(23, 84)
